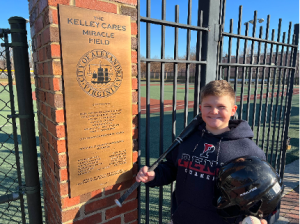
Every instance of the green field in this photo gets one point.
(8, 181)
(11, 212)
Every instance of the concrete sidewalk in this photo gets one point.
(289, 210)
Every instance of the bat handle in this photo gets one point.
(127, 193)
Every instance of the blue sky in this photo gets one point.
(11, 8)
(287, 10)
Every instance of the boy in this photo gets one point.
(194, 163)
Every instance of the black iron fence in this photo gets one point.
(266, 105)
(160, 121)
(11, 196)
(169, 97)
(18, 155)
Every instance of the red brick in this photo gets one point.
(46, 83)
(60, 146)
(56, 84)
(70, 214)
(134, 82)
(63, 174)
(50, 16)
(55, 100)
(85, 197)
(133, 57)
(43, 109)
(96, 193)
(117, 187)
(56, 2)
(33, 15)
(114, 221)
(134, 29)
(60, 131)
(97, 5)
(129, 11)
(135, 121)
(134, 97)
(135, 156)
(134, 70)
(62, 160)
(53, 68)
(135, 145)
(42, 4)
(68, 202)
(38, 25)
(135, 133)
(64, 189)
(59, 116)
(129, 206)
(294, 216)
(31, 4)
(130, 2)
(52, 51)
(285, 204)
(131, 216)
(57, 130)
(42, 57)
(50, 34)
(90, 220)
(100, 204)
(134, 109)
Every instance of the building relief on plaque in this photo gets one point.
(99, 73)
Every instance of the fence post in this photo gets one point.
(26, 116)
(289, 106)
(211, 14)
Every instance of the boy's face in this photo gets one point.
(216, 112)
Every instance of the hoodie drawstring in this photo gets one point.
(196, 146)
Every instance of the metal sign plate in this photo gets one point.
(96, 59)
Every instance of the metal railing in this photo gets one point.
(205, 45)
(262, 112)
(11, 196)
(12, 184)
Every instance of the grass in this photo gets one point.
(11, 212)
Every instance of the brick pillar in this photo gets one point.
(97, 206)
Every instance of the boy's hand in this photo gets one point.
(145, 176)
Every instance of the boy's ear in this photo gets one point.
(233, 110)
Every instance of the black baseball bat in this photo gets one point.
(191, 128)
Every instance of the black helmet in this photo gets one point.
(247, 186)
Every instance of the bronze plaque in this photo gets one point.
(96, 59)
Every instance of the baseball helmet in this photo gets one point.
(247, 186)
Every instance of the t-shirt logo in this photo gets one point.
(208, 148)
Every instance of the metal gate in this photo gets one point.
(167, 102)
(18, 155)
(263, 82)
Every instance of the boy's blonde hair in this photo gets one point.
(218, 88)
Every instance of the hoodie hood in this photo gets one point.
(238, 129)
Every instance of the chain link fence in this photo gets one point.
(12, 204)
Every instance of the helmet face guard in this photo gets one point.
(247, 186)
